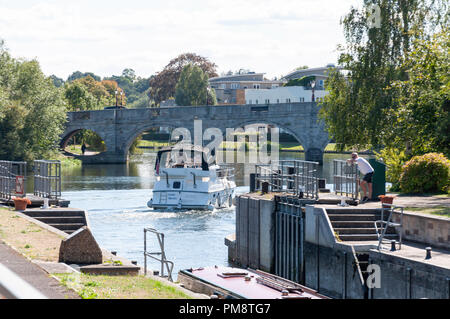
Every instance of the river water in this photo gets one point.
(115, 197)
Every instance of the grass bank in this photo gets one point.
(119, 287)
(443, 211)
(37, 243)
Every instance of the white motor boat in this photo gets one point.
(185, 180)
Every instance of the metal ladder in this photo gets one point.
(163, 260)
(381, 226)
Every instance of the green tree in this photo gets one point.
(361, 108)
(162, 85)
(78, 97)
(192, 88)
(79, 75)
(32, 110)
(422, 115)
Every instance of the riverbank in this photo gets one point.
(41, 246)
(235, 146)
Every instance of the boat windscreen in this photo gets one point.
(180, 159)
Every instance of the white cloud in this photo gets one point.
(105, 37)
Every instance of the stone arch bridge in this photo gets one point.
(120, 127)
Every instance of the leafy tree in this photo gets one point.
(192, 87)
(32, 110)
(130, 74)
(134, 87)
(360, 109)
(79, 75)
(58, 82)
(423, 113)
(163, 84)
(79, 98)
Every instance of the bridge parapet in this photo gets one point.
(119, 127)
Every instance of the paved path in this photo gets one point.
(413, 201)
(34, 275)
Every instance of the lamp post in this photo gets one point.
(207, 91)
(121, 99)
(313, 85)
(116, 97)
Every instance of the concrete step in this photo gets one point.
(68, 226)
(53, 213)
(364, 237)
(353, 217)
(350, 211)
(352, 224)
(350, 231)
(62, 219)
(365, 230)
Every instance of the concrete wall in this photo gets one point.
(255, 233)
(332, 271)
(403, 278)
(330, 267)
(427, 229)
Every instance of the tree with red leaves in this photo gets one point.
(162, 86)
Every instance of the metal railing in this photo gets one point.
(346, 179)
(382, 225)
(225, 171)
(14, 287)
(12, 179)
(163, 260)
(299, 178)
(47, 179)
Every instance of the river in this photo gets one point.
(115, 197)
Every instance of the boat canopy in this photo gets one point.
(181, 156)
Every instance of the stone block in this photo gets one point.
(80, 248)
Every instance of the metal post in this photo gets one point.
(145, 252)
(344, 276)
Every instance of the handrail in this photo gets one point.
(9, 173)
(47, 178)
(14, 287)
(163, 260)
(385, 224)
(345, 179)
(290, 176)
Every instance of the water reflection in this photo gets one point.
(115, 198)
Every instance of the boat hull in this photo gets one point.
(191, 200)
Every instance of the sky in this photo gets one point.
(107, 36)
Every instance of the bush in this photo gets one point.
(428, 173)
(394, 159)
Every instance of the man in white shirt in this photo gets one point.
(367, 170)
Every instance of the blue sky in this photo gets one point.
(105, 37)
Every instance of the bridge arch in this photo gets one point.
(297, 136)
(140, 130)
(68, 134)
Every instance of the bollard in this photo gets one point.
(322, 183)
(252, 182)
(265, 187)
(393, 245)
(428, 256)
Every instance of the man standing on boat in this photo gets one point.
(367, 170)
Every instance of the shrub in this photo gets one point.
(394, 159)
(428, 173)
